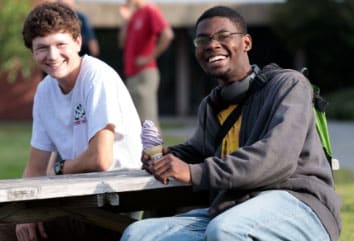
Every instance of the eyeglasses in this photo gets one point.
(221, 37)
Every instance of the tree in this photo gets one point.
(14, 57)
(321, 33)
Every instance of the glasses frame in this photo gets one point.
(214, 37)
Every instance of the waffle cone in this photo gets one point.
(154, 152)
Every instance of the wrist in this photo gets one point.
(59, 166)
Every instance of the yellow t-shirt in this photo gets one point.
(230, 143)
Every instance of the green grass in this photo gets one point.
(14, 151)
(344, 180)
(14, 148)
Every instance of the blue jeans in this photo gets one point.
(270, 216)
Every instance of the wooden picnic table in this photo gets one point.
(99, 197)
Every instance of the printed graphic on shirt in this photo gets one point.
(79, 115)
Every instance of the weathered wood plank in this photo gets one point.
(98, 198)
(20, 213)
(78, 185)
(103, 218)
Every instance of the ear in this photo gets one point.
(79, 42)
(247, 42)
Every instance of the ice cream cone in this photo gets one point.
(154, 152)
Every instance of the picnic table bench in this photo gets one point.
(98, 197)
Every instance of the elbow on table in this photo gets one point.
(102, 164)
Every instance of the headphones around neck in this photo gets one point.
(234, 92)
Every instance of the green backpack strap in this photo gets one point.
(319, 107)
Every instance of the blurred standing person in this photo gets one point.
(90, 44)
(144, 36)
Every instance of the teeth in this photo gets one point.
(216, 58)
(54, 65)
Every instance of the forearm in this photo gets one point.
(125, 11)
(88, 162)
(187, 153)
(94, 47)
(164, 41)
(37, 163)
(97, 157)
(33, 172)
(122, 34)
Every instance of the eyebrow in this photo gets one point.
(40, 45)
(220, 31)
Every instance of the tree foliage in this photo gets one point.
(324, 31)
(14, 57)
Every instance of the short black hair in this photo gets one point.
(226, 12)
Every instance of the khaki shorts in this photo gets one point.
(143, 88)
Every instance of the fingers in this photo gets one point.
(26, 232)
(162, 170)
(32, 233)
(162, 166)
(168, 166)
(21, 232)
(145, 159)
(146, 166)
(42, 231)
(158, 168)
(165, 151)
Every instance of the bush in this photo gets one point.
(321, 34)
(341, 104)
(14, 57)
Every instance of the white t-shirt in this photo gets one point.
(66, 122)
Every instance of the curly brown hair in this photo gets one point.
(48, 18)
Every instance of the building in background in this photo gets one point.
(183, 83)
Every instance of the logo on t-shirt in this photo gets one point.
(79, 115)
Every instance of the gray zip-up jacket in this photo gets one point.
(279, 149)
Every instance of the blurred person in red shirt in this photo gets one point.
(144, 36)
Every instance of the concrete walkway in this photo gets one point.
(342, 137)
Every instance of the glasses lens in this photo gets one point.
(222, 36)
(201, 41)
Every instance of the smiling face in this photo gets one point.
(57, 55)
(226, 60)
(52, 32)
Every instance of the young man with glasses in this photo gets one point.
(267, 174)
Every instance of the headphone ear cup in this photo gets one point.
(234, 92)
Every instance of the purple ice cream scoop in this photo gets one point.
(150, 135)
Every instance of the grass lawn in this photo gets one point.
(14, 151)
(14, 148)
(344, 180)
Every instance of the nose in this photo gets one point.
(213, 43)
(53, 52)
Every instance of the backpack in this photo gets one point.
(319, 109)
